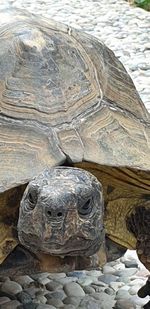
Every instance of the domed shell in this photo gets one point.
(64, 96)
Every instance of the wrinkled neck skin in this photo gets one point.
(61, 214)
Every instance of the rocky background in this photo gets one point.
(126, 30)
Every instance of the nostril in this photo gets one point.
(59, 214)
(54, 214)
(49, 213)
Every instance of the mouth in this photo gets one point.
(73, 247)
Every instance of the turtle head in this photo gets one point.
(61, 213)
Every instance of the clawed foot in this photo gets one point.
(145, 291)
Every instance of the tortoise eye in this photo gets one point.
(86, 208)
(32, 198)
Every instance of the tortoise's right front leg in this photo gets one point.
(145, 291)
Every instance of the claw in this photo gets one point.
(145, 290)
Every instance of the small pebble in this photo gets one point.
(59, 294)
(124, 279)
(46, 306)
(119, 266)
(137, 281)
(3, 300)
(55, 302)
(73, 300)
(11, 287)
(13, 304)
(88, 289)
(128, 272)
(134, 289)
(56, 276)
(24, 281)
(66, 280)
(131, 263)
(85, 281)
(24, 297)
(124, 304)
(41, 299)
(30, 306)
(108, 278)
(53, 286)
(77, 274)
(32, 291)
(122, 294)
(98, 288)
(105, 300)
(108, 269)
(89, 302)
(40, 276)
(69, 307)
(139, 301)
(74, 289)
(99, 283)
(43, 281)
(94, 273)
(116, 285)
(109, 291)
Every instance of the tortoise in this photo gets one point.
(74, 150)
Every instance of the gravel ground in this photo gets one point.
(126, 30)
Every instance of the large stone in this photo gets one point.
(74, 289)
